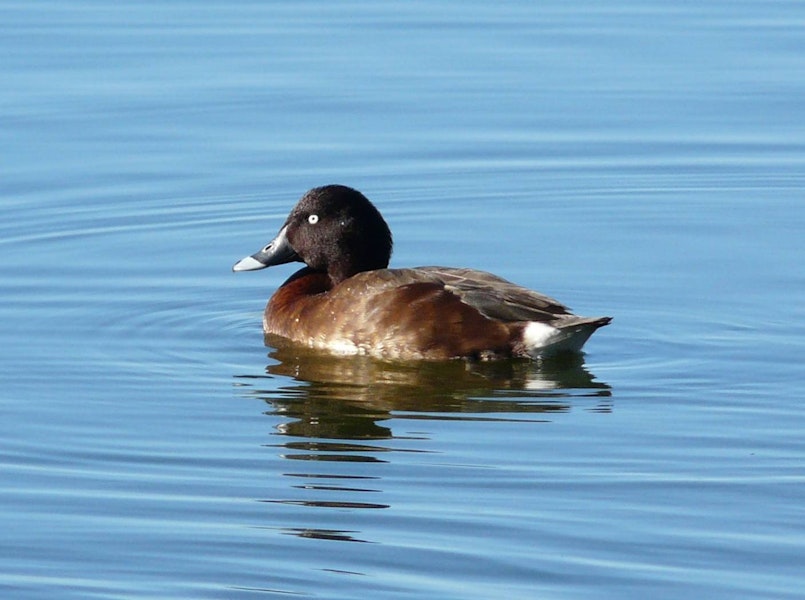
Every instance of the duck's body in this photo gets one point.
(348, 301)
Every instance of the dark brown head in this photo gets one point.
(333, 229)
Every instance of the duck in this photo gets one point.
(346, 299)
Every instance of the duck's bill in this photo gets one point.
(248, 264)
(277, 252)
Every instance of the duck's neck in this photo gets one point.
(341, 270)
(338, 273)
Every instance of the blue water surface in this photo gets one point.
(644, 160)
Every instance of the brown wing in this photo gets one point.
(496, 297)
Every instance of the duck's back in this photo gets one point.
(424, 313)
(495, 297)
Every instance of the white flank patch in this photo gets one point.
(337, 346)
(538, 335)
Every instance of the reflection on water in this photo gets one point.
(347, 398)
(336, 409)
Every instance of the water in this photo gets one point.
(635, 159)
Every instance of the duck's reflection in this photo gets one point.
(345, 417)
(349, 398)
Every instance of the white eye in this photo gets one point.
(313, 219)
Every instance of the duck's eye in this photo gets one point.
(313, 219)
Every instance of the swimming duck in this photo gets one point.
(347, 300)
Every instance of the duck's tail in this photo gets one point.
(567, 334)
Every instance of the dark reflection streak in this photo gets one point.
(328, 534)
(331, 447)
(327, 504)
(343, 572)
(325, 476)
(341, 535)
(427, 417)
(332, 488)
(334, 458)
(242, 588)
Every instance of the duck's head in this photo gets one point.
(333, 229)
